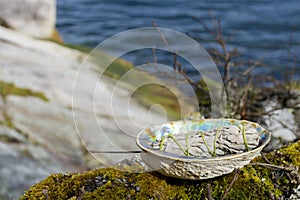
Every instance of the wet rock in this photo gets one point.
(34, 18)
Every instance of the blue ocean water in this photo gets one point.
(263, 30)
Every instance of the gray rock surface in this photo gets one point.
(23, 162)
(47, 124)
(33, 17)
(1, 109)
(284, 124)
(43, 138)
(296, 194)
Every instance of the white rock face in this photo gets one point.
(22, 162)
(1, 109)
(33, 17)
(282, 123)
(44, 138)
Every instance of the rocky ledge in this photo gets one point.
(38, 136)
(271, 176)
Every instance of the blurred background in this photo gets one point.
(262, 30)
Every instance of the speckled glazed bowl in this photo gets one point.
(211, 148)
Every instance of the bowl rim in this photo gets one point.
(168, 155)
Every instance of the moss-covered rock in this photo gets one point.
(273, 175)
(11, 89)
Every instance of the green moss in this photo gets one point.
(100, 184)
(7, 89)
(56, 36)
(157, 94)
(288, 155)
(4, 23)
(10, 89)
(253, 182)
(118, 67)
(294, 84)
(7, 120)
(148, 94)
(81, 48)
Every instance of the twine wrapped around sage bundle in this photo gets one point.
(215, 142)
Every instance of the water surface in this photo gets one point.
(262, 30)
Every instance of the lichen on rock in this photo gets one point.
(7, 89)
(11, 89)
(273, 175)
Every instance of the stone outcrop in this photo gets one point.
(272, 176)
(38, 136)
(32, 17)
(29, 151)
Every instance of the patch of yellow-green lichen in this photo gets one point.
(7, 89)
(10, 89)
(288, 155)
(252, 182)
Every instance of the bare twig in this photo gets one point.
(265, 158)
(274, 166)
(223, 57)
(197, 85)
(209, 191)
(204, 25)
(45, 193)
(236, 173)
(161, 35)
(250, 69)
(243, 101)
(265, 113)
(176, 65)
(271, 195)
(155, 64)
(82, 193)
